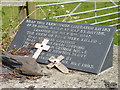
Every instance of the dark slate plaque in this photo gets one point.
(85, 47)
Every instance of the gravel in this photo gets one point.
(75, 79)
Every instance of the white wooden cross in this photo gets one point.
(41, 46)
(56, 62)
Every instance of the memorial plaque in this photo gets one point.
(85, 47)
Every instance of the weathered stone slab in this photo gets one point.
(85, 47)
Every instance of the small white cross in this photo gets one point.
(41, 47)
(56, 62)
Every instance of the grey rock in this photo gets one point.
(23, 79)
(106, 82)
(27, 65)
(113, 83)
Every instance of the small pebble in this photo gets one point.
(110, 85)
(106, 82)
(54, 83)
(95, 78)
(22, 79)
(31, 87)
(18, 76)
(113, 83)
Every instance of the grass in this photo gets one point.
(0, 23)
(10, 17)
